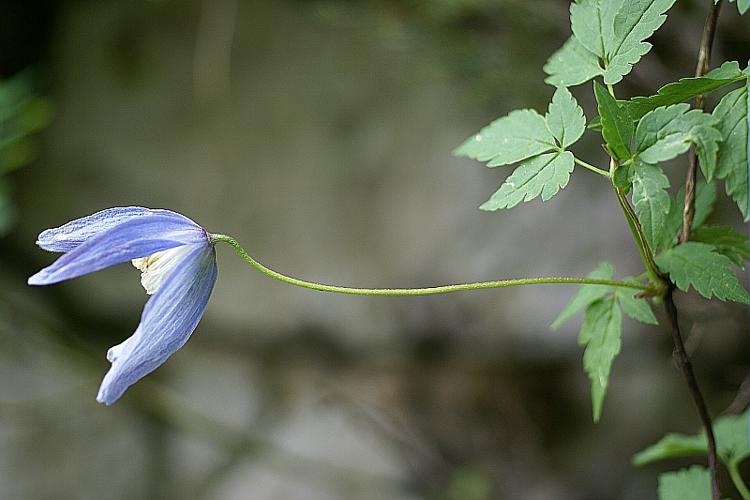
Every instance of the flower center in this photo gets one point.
(156, 267)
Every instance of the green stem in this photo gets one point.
(739, 483)
(482, 285)
(594, 169)
(640, 240)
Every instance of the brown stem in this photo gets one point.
(683, 361)
(704, 60)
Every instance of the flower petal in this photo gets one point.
(72, 234)
(134, 238)
(168, 320)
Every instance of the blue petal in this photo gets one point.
(132, 239)
(167, 322)
(69, 236)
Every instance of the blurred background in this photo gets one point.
(319, 133)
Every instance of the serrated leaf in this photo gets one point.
(636, 308)
(705, 197)
(732, 164)
(520, 135)
(538, 142)
(700, 266)
(617, 124)
(592, 22)
(686, 89)
(635, 22)
(524, 134)
(600, 333)
(543, 175)
(586, 294)
(667, 132)
(572, 65)
(611, 32)
(651, 201)
(565, 118)
(726, 240)
(673, 445)
(685, 484)
(732, 443)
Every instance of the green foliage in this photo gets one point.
(617, 124)
(732, 441)
(636, 308)
(651, 201)
(705, 197)
(731, 114)
(742, 5)
(609, 37)
(669, 131)
(686, 89)
(726, 241)
(586, 294)
(538, 142)
(699, 265)
(686, 484)
(600, 333)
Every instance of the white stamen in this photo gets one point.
(155, 268)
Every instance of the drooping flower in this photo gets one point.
(177, 260)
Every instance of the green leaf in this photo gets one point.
(637, 308)
(543, 175)
(705, 196)
(565, 118)
(520, 135)
(525, 133)
(726, 240)
(732, 439)
(742, 5)
(732, 165)
(538, 142)
(600, 333)
(608, 38)
(668, 132)
(635, 22)
(686, 89)
(572, 65)
(586, 294)
(651, 201)
(617, 124)
(732, 443)
(686, 484)
(700, 266)
(672, 445)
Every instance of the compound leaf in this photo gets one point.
(732, 164)
(617, 124)
(651, 201)
(726, 240)
(600, 333)
(572, 64)
(685, 484)
(699, 265)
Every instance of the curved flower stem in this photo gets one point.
(461, 287)
(739, 483)
(589, 166)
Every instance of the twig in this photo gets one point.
(683, 361)
(704, 60)
(680, 354)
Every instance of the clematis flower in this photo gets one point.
(177, 260)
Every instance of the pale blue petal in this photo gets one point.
(167, 322)
(131, 239)
(69, 236)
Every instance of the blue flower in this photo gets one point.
(178, 263)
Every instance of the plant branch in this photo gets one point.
(594, 169)
(461, 287)
(704, 60)
(683, 361)
(646, 255)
